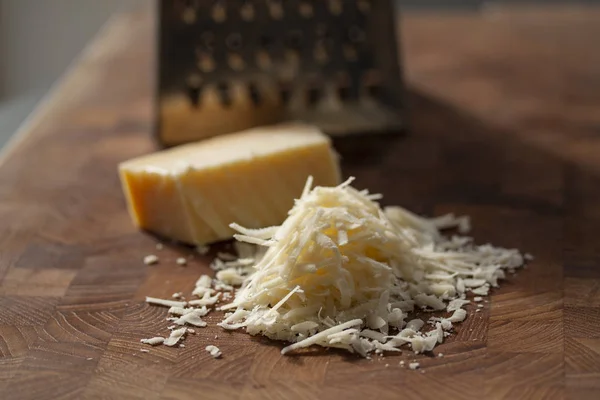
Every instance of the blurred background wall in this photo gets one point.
(38, 41)
(40, 38)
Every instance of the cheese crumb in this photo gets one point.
(477, 298)
(203, 250)
(440, 354)
(150, 259)
(181, 261)
(214, 351)
(175, 337)
(414, 365)
(153, 341)
(145, 350)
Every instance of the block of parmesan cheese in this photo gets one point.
(192, 193)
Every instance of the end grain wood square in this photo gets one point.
(47, 282)
(26, 311)
(48, 384)
(15, 341)
(582, 386)
(270, 366)
(206, 389)
(123, 370)
(343, 369)
(524, 306)
(193, 362)
(531, 376)
(582, 322)
(582, 356)
(64, 357)
(525, 337)
(281, 389)
(459, 358)
(95, 327)
(43, 255)
(582, 292)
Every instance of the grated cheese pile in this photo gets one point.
(343, 272)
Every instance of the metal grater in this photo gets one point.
(228, 65)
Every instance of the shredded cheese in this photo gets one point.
(153, 341)
(150, 259)
(342, 272)
(214, 351)
(175, 336)
(164, 302)
(181, 261)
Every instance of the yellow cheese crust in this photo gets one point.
(192, 193)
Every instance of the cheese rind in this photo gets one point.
(192, 193)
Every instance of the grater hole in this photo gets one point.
(292, 56)
(306, 9)
(234, 41)
(313, 94)
(350, 52)
(372, 84)
(320, 53)
(254, 94)
(247, 11)
(322, 31)
(275, 9)
(373, 90)
(336, 7)
(356, 34)
(263, 59)
(206, 62)
(324, 35)
(265, 42)
(219, 12)
(343, 86)
(285, 93)
(194, 85)
(208, 41)
(224, 94)
(189, 16)
(236, 62)
(194, 80)
(364, 5)
(294, 40)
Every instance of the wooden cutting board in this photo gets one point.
(505, 127)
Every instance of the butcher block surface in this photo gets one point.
(505, 127)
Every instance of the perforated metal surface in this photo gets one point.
(226, 65)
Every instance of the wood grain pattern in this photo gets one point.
(505, 127)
